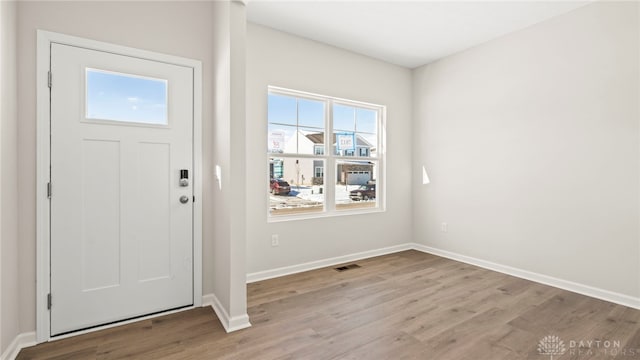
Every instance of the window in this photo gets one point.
(327, 151)
(121, 97)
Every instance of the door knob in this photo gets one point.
(184, 199)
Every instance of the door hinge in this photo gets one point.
(49, 190)
(49, 301)
(194, 199)
(49, 79)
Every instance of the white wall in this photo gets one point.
(179, 28)
(279, 59)
(9, 285)
(532, 147)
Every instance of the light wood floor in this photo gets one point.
(407, 305)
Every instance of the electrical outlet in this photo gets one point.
(444, 227)
(275, 241)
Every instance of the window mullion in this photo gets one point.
(328, 134)
(329, 178)
(329, 163)
(297, 134)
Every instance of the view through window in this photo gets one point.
(129, 98)
(312, 172)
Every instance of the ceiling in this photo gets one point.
(406, 33)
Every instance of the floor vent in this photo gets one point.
(347, 267)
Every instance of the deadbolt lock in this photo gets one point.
(184, 177)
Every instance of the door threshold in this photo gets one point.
(115, 324)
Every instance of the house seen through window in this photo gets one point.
(324, 154)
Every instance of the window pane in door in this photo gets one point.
(127, 98)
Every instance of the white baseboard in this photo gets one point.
(229, 323)
(20, 342)
(583, 289)
(293, 269)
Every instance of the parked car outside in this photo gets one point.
(364, 192)
(280, 187)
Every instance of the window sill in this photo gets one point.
(325, 214)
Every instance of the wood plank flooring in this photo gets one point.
(407, 305)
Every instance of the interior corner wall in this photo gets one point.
(279, 59)
(531, 143)
(10, 304)
(181, 28)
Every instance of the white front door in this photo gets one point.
(121, 187)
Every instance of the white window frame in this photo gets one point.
(331, 160)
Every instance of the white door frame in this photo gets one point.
(43, 156)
